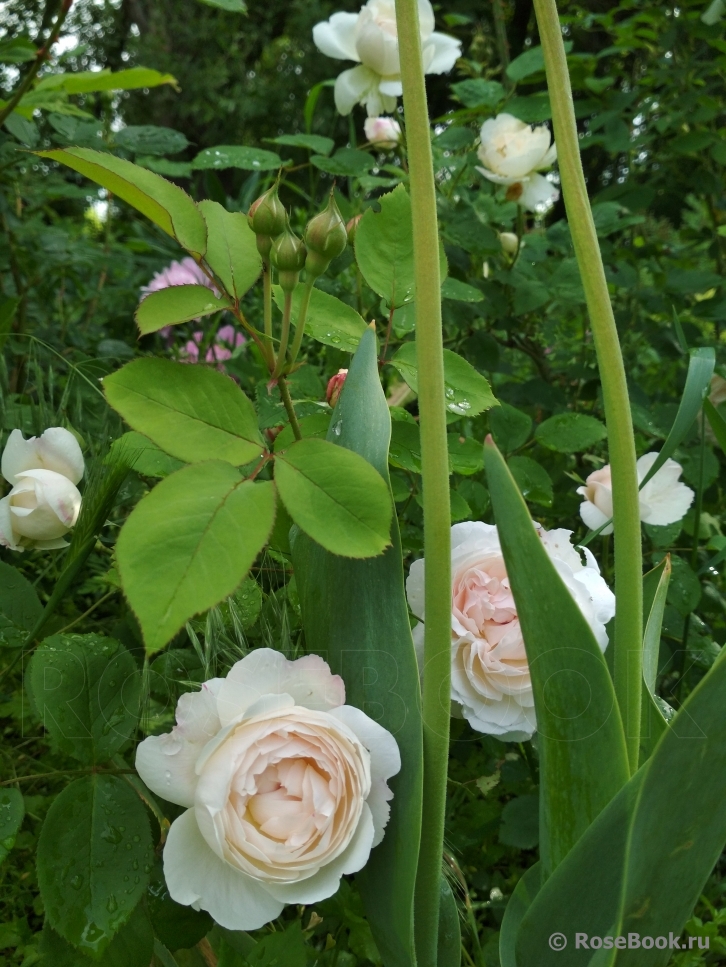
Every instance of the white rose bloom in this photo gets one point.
(284, 784)
(44, 502)
(513, 153)
(384, 132)
(663, 500)
(490, 681)
(371, 39)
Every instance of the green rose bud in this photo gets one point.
(325, 238)
(288, 256)
(266, 218)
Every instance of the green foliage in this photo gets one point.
(231, 250)
(337, 617)
(467, 391)
(583, 758)
(570, 432)
(131, 946)
(384, 248)
(449, 947)
(329, 321)
(192, 413)
(96, 832)
(178, 303)
(12, 810)
(336, 497)
(86, 689)
(189, 544)
(20, 608)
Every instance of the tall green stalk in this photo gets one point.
(435, 474)
(628, 559)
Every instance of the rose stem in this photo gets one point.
(301, 317)
(284, 336)
(628, 655)
(435, 479)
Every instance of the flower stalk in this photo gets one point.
(435, 476)
(628, 656)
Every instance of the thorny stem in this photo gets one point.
(267, 307)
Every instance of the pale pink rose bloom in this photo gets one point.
(663, 500)
(491, 685)
(383, 132)
(226, 341)
(44, 502)
(285, 789)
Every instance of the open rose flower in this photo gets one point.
(185, 272)
(371, 39)
(663, 500)
(513, 153)
(490, 681)
(44, 502)
(284, 784)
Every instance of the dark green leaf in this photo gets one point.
(313, 142)
(236, 156)
(466, 455)
(132, 946)
(90, 82)
(192, 412)
(176, 926)
(283, 948)
(356, 612)
(520, 901)
(87, 690)
(405, 448)
(348, 162)
(189, 543)
(476, 92)
(150, 139)
(336, 497)
(177, 303)
(510, 427)
(460, 291)
(96, 832)
(520, 822)
(384, 248)
(18, 598)
(570, 432)
(12, 810)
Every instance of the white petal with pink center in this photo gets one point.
(490, 680)
(287, 788)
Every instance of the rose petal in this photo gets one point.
(353, 87)
(441, 52)
(267, 672)
(8, 537)
(336, 37)
(195, 876)
(56, 449)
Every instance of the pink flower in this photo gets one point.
(186, 272)
(385, 132)
(226, 341)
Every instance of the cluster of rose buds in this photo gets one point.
(324, 240)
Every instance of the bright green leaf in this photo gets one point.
(533, 480)
(192, 412)
(236, 156)
(175, 304)
(346, 162)
(189, 543)
(231, 6)
(87, 690)
(96, 833)
(510, 427)
(570, 432)
(336, 497)
(466, 455)
(460, 291)
(405, 448)
(164, 203)
(329, 321)
(89, 82)
(467, 391)
(150, 139)
(231, 248)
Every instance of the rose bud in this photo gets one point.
(509, 242)
(325, 238)
(383, 132)
(352, 228)
(267, 218)
(335, 385)
(288, 256)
